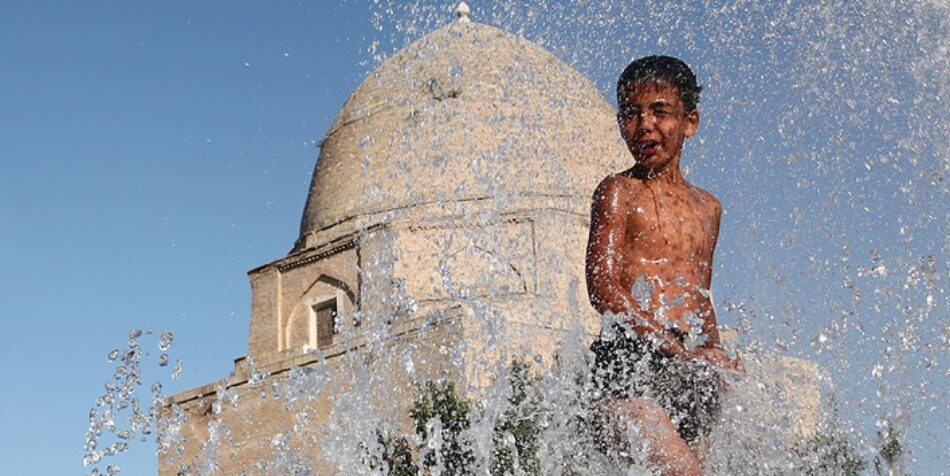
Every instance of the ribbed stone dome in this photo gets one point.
(467, 112)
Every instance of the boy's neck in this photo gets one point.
(670, 174)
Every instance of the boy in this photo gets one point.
(649, 266)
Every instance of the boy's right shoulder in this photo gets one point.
(618, 184)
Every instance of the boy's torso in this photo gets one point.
(668, 246)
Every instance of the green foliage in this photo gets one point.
(827, 454)
(394, 459)
(515, 433)
(518, 428)
(439, 402)
(398, 456)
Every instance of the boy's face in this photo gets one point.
(653, 124)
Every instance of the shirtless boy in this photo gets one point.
(649, 266)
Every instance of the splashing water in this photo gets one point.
(120, 416)
(824, 134)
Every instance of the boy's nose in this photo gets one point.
(646, 121)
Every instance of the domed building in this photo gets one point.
(443, 235)
(463, 166)
(449, 206)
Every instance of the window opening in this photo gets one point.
(325, 315)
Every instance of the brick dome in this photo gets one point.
(468, 112)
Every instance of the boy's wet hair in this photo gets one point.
(665, 70)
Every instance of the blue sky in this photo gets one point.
(152, 153)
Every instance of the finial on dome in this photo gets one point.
(462, 12)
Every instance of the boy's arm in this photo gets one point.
(609, 218)
(710, 328)
(711, 350)
(608, 222)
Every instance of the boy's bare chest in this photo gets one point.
(672, 223)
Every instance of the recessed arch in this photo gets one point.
(306, 323)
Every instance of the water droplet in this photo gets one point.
(176, 371)
(166, 340)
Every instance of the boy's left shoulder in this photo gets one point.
(707, 198)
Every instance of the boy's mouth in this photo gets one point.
(648, 147)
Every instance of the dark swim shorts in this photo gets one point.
(627, 366)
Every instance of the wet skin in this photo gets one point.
(652, 230)
(649, 223)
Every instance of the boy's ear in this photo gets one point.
(692, 122)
